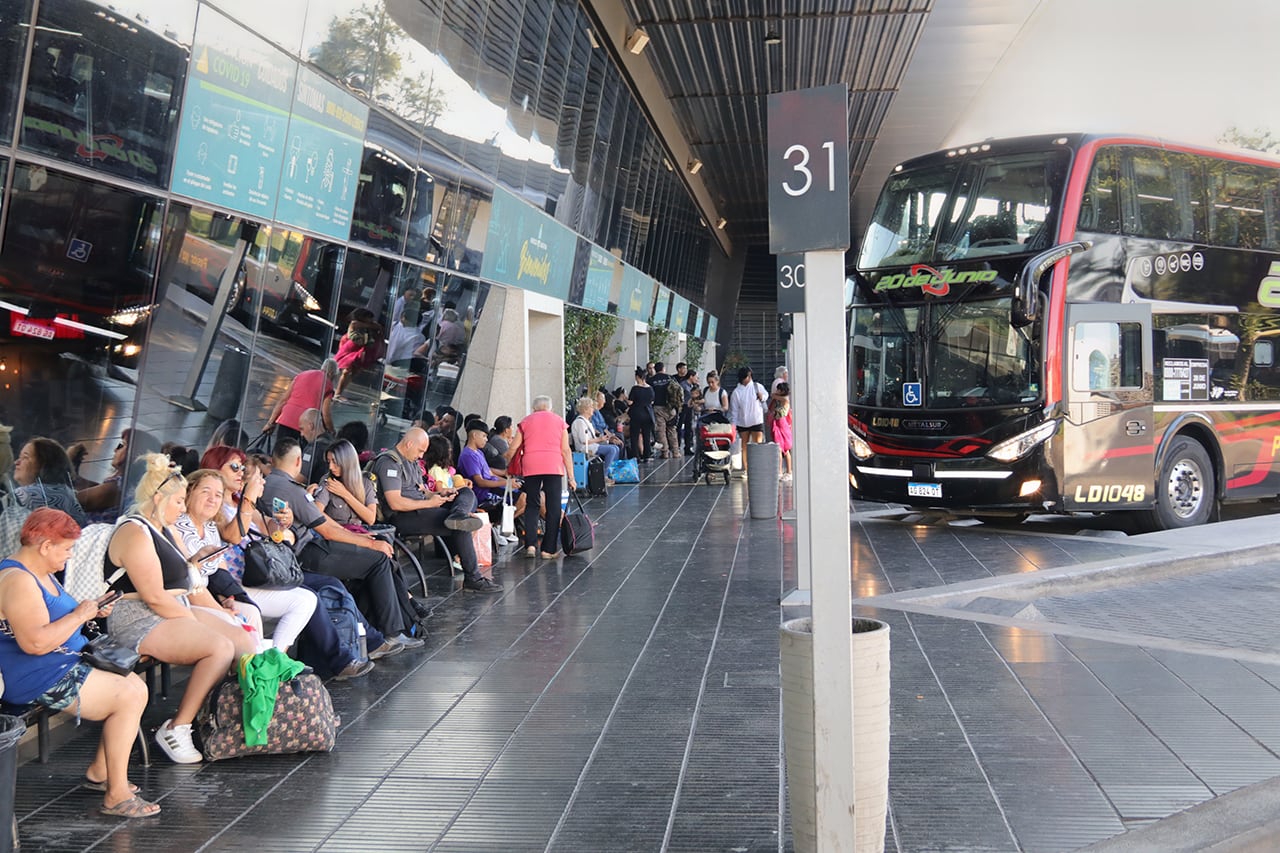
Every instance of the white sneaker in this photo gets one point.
(176, 743)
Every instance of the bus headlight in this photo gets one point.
(1020, 445)
(858, 445)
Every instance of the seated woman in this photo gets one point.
(346, 494)
(588, 440)
(43, 474)
(162, 613)
(101, 501)
(318, 646)
(199, 528)
(40, 644)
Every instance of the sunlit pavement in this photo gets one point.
(628, 698)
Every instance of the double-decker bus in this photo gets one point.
(1074, 323)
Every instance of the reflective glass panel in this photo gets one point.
(106, 84)
(76, 291)
(15, 17)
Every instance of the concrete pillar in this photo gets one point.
(516, 353)
(625, 358)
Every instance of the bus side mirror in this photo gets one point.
(1026, 307)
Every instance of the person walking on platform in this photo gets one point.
(665, 416)
(545, 462)
(747, 410)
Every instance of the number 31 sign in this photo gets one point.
(809, 170)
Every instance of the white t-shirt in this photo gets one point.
(746, 405)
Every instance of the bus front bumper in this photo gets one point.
(978, 485)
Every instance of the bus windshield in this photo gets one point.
(964, 209)
(963, 354)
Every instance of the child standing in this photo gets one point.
(780, 413)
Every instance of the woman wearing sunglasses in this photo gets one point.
(165, 613)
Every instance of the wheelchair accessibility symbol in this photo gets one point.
(78, 250)
(912, 394)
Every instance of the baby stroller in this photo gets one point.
(715, 436)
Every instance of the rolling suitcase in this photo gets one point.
(577, 532)
(595, 476)
(580, 470)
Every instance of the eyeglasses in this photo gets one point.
(236, 467)
(120, 446)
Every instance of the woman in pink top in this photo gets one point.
(310, 389)
(543, 447)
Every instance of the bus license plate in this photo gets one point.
(924, 490)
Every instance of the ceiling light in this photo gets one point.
(694, 166)
(721, 223)
(636, 41)
(771, 38)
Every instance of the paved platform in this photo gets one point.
(628, 699)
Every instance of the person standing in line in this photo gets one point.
(640, 416)
(747, 410)
(714, 398)
(780, 409)
(543, 442)
(664, 416)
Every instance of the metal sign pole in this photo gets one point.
(808, 156)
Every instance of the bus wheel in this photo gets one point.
(1185, 489)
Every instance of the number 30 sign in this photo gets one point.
(809, 170)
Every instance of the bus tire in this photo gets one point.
(1185, 489)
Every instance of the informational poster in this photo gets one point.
(322, 157)
(526, 248)
(711, 327)
(660, 307)
(601, 269)
(679, 314)
(1185, 379)
(235, 116)
(636, 298)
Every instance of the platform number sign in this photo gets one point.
(809, 170)
(791, 280)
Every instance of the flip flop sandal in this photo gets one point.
(135, 806)
(90, 785)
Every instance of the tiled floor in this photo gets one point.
(628, 699)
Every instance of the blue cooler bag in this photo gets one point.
(624, 471)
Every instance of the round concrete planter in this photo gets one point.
(870, 731)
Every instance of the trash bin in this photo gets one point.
(762, 479)
(870, 723)
(11, 731)
(228, 387)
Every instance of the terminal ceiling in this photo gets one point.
(911, 67)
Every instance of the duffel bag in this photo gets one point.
(304, 720)
(577, 532)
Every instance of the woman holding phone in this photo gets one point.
(165, 612)
(40, 644)
(198, 527)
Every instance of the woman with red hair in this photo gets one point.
(40, 643)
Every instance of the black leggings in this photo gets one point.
(640, 429)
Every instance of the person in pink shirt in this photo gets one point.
(310, 389)
(542, 446)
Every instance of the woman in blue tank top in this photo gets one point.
(40, 641)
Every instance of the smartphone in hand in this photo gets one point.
(110, 598)
(278, 505)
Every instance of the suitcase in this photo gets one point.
(580, 469)
(577, 532)
(595, 476)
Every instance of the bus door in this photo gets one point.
(1108, 442)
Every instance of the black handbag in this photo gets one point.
(106, 654)
(577, 531)
(268, 564)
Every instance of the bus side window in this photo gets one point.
(1100, 207)
(1107, 356)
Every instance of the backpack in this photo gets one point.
(341, 609)
(675, 395)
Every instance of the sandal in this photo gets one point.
(547, 556)
(135, 806)
(90, 785)
(531, 551)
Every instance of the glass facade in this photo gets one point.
(201, 201)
